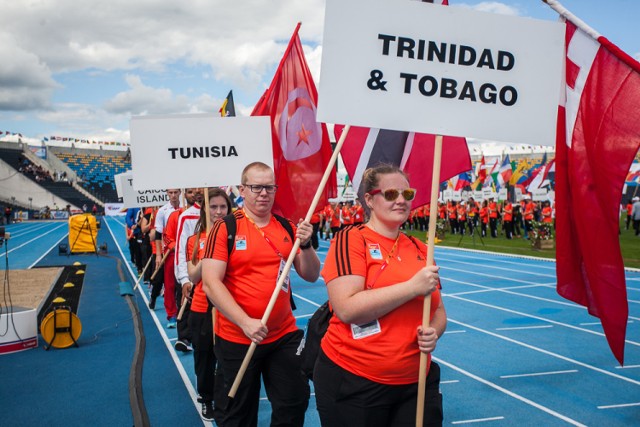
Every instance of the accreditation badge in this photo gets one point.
(241, 243)
(285, 284)
(374, 251)
(365, 330)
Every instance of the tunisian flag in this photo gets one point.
(301, 147)
(412, 152)
(598, 136)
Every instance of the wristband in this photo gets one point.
(306, 245)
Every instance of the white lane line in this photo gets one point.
(306, 300)
(491, 276)
(621, 405)
(548, 353)
(566, 325)
(462, 331)
(449, 382)
(302, 316)
(590, 324)
(628, 367)
(509, 393)
(507, 291)
(486, 266)
(477, 420)
(181, 371)
(47, 251)
(24, 231)
(539, 374)
(517, 328)
(490, 289)
(35, 238)
(495, 257)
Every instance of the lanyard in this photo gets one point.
(264, 235)
(385, 263)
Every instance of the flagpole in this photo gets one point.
(292, 255)
(426, 308)
(553, 4)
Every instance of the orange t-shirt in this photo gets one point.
(252, 274)
(546, 214)
(199, 303)
(390, 356)
(508, 212)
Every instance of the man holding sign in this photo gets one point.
(240, 283)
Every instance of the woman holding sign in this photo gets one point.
(367, 371)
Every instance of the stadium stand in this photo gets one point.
(96, 171)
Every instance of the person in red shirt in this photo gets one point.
(484, 218)
(529, 209)
(493, 217)
(357, 213)
(629, 210)
(240, 284)
(346, 212)
(367, 370)
(507, 219)
(547, 212)
(200, 321)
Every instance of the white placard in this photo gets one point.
(414, 66)
(118, 179)
(540, 194)
(140, 198)
(196, 150)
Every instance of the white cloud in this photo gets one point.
(492, 7)
(25, 82)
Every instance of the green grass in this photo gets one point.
(629, 244)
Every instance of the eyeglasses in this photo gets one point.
(270, 189)
(392, 194)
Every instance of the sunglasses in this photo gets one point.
(392, 194)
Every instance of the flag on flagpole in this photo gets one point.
(412, 152)
(464, 180)
(301, 146)
(228, 108)
(597, 139)
(505, 171)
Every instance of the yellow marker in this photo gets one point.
(68, 285)
(59, 300)
(80, 272)
(77, 263)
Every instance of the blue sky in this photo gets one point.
(82, 69)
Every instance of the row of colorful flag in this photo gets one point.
(526, 174)
(84, 141)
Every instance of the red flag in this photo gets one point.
(413, 152)
(301, 146)
(598, 136)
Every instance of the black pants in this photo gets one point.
(345, 399)
(314, 236)
(184, 333)
(279, 367)
(493, 225)
(204, 359)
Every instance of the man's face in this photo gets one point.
(193, 195)
(174, 195)
(261, 202)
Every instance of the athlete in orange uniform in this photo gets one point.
(240, 284)
(367, 370)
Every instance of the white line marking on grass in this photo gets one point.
(517, 328)
(181, 371)
(621, 405)
(509, 393)
(548, 353)
(539, 374)
(477, 420)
